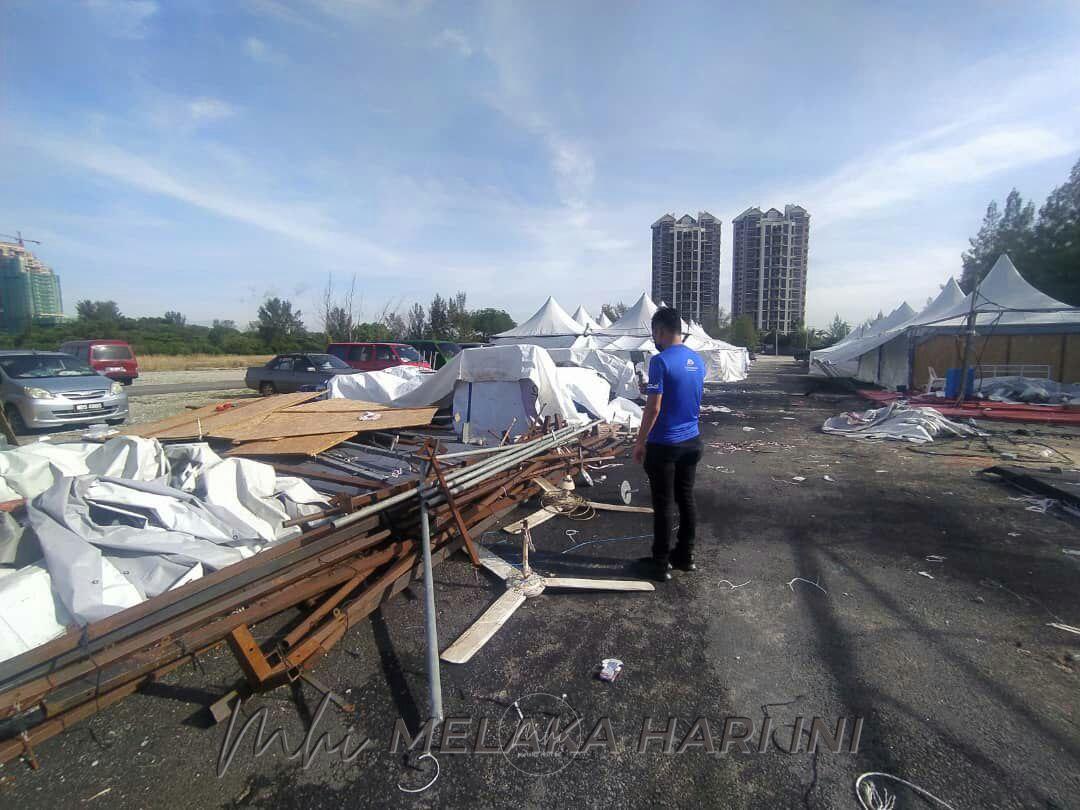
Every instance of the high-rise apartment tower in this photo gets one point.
(768, 268)
(686, 265)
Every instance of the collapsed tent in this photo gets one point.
(631, 337)
(1020, 331)
(112, 525)
(896, 421)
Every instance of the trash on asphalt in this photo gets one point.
(609, 669)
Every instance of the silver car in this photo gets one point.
(50, 389)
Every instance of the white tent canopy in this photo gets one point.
(603, 320)
(582, 316)
(551, 327)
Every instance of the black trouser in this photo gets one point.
(671, 469)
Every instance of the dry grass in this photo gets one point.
(194, 362)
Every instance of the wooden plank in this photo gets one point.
(280, 425)
(463, 530)
(620, 507)
(335, 406)
(528, 522)
(150, 429)
(291, 446)
(246, 416)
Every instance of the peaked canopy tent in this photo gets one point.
(1017, 327)
(842, 358)
(631, 337)
(551, 327)
(603, 320)
(582, 316)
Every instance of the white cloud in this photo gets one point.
(297, 222)
(209, 109)
(912, 171)
(455, 40)
(127, 19)
(260, 51)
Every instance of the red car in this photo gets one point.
(112, 358)
(377, 356)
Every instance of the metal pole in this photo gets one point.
(432, 637)
(967, 345)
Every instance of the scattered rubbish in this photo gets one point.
(609, 669)
(732, 586)
(1066, 627)
(799, 478)
(715, 409)
(1035, 504)
(808, 582)
(725, 470)
(1014, 534)
(626, 492)
(788, 418)
(434, 779)
(1075, 552)
(935, 558)
(881, 471)
(830, 479)
(871, 798)
(747, 428)
(926, 574)
(98, 795)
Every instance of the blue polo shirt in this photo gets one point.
(678, 373)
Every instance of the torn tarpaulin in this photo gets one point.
(897, 421)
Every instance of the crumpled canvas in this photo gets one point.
(897, 421)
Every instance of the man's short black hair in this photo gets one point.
(668, 319)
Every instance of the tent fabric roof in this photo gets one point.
(582, 316)
(603, 320)
(550, 319)
(1004, 298)
(635, 321)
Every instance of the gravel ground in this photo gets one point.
(158, 406)
(961, 685)
(177, 377)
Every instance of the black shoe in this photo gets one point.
(651, 568)
(684, 563)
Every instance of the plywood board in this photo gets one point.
(149, 429)
(336, 405)
(247, 416)
(292, 446)
(280, 425)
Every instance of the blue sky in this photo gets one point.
(201, 155)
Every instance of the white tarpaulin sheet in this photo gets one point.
(154, 518)
(509, 363)
(896, 421)
(618, 372)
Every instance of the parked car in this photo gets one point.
(377, 356)
(287, 373)
(52, 389)
(113, 358)
(436, 353)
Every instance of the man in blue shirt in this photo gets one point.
(669, 444)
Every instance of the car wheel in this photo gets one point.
(116, 421)
(267, 389)
(127, 381)
(18, 426)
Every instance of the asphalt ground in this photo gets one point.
(960, 685)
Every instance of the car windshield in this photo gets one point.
(110, 352)
(449, 349)
(325, 362)
(408, 353)
(37, 366)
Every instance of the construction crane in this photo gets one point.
(19, 238)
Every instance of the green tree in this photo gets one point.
(1010, 231)
(1055, 268)
(439, 324)
(457, 313)
(614, 311)
(488, 322)
(97, 310)
(339, 325)
(175, 318)
(395, 325)
(416, 325)
(838, 329)
(743, 332)
(279, 325)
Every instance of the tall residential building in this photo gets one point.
(29, 290)
(768, 267)
(686, 265)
